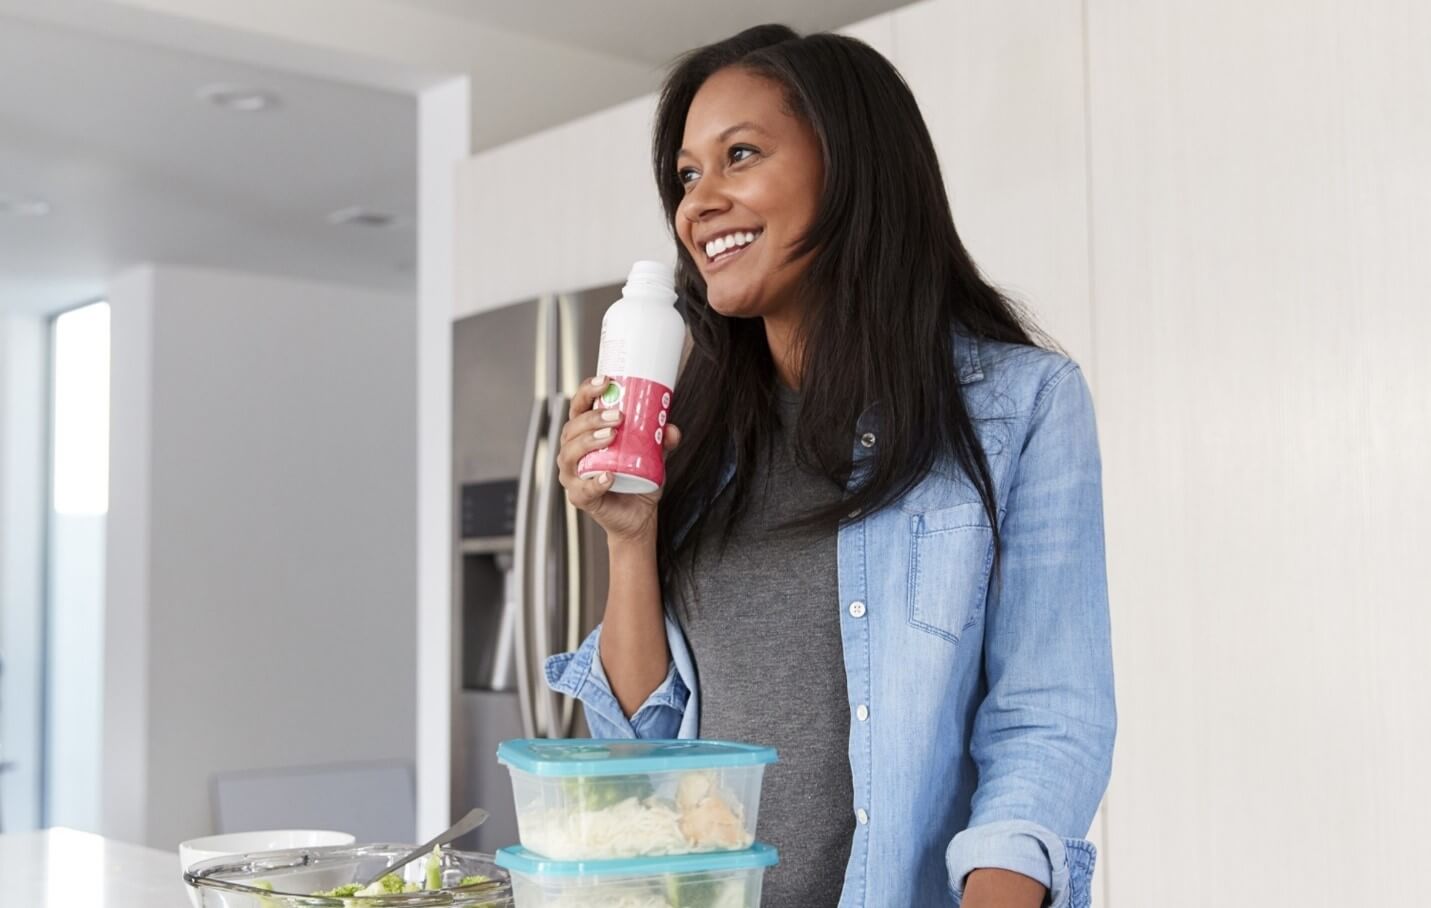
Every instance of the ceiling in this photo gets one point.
(652, 31)
(136, 168)
(99, 118)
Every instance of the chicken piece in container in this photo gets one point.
(708, 821)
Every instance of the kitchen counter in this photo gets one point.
(62, 868)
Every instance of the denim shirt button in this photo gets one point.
(862, 712)
(857, 609)
(863, 817)
(868, 439)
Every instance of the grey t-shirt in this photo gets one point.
(762, 617)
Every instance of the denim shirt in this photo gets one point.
(981, 700)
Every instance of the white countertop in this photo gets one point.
(62, 868)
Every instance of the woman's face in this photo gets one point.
(752, 173)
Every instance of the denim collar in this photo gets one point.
(966, 358)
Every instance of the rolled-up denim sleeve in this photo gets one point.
(580, 675)
(1043, 734)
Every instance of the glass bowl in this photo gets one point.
(296, 873)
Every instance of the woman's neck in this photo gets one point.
(782, 333)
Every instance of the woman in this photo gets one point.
(880, 545)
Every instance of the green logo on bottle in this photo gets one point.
(612, 395)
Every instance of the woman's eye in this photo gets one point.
(740, 153)
(687, 175)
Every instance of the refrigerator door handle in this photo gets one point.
(522, 559)
(550, 599)
(573, 590)
(571, 599)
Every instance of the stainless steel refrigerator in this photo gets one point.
(529, 571)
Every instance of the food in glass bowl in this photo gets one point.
(332, 877)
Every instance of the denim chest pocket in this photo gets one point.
(951, 554)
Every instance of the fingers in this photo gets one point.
(586, 494)
(672, 439)
(585, 395)
(589, 422)
(590, 435)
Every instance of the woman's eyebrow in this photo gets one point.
(730, 131)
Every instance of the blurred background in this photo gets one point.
(288, 289)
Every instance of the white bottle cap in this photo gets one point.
(652, 275)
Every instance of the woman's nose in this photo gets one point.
(704, 201)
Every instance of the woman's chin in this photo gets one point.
(734, 305)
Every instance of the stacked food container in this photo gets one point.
(636, 823)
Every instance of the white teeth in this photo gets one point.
(731, 240)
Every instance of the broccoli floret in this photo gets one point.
(598, 793)
(392, 883)
(388, 885)
(702, 891)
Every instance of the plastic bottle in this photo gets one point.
(642, 336)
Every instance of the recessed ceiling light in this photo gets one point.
(24, 208)
(238, 98)
(358, 216)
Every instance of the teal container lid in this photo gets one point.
(757, 856)
(597, 757)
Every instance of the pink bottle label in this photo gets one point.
(636, 449)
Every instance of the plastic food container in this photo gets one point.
(243, 881)
(728, 879)
(580, 800)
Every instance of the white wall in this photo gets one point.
(1221, 210)
(23, 398)
(261, 566)
(1261, 188)
(444, 139)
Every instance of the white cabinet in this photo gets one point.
(1261, 181)
(565, 209)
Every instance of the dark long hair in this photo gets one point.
(888, 285)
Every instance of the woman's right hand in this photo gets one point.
(626, 518)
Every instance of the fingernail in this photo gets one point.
(610, 415)
(604, 479)
(598, 381)
(601, 434)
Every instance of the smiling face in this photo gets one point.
(752, 174)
